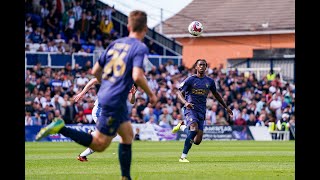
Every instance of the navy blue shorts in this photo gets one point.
(110, 119)
(193, 116)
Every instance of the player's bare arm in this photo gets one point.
(181, 96)
(131, 96)
(97, 71)
(219, 98)
(139, 78)
(89, 85)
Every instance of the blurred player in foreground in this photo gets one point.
(193, 94)
(96, 111)
(118, 67)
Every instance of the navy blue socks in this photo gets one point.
(125, 159)
(189, 141)
(79, 137)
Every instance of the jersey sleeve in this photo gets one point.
(185, 84)
(103, 57)
(140, 57)
(213, 86)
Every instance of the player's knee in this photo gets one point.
(197, 142)
(99, 144)
(100, 147)
(127, 139)
(103, 146)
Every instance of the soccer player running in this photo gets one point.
(96, 111)
(193, 92)
(118, 67)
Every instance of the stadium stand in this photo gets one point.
(57, 26)
(74, 34)
(49, 93)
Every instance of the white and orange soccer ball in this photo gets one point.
(195, 28)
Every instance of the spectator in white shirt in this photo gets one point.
(51, 47)
(59, 39)
(40, 98)
(165, 117)
(77, 9)
(169, 105)
(275, 106)
(260, 104)
(212, 113)
(147, 117)
(235, 111)
(27, 119)
(152, 83)
(146, 110)
(107, 12)
(261, 120)
(244, 114)
(47, 102)
(82, 80)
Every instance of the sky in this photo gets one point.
(151, 7)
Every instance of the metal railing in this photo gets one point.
(156, 60)
(280, 135)
(287, 65)
(259, 72)
(168, 45)
(156, 40)
(58, 60)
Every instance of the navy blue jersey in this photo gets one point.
(196, 90)
(117, 62)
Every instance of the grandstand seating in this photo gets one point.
(162, 45)
(165, 82)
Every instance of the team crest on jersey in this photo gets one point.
(110, 121)
(207, 85)
(190, 119)
(111, 130)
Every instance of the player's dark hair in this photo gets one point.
(138, 20)
(195, 64)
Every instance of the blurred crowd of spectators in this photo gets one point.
(70, 26)
(49, 93)
(67, 26)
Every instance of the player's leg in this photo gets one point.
(83, 156)
(100, 141)
(198, 138)
(107, 126)
(125, 149)
(95, 114)
(58, 126)
(97, 143)
(191, 130)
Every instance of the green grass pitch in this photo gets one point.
(248, 160)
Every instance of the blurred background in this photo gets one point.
(249, 45)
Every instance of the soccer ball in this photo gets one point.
(195, 28)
